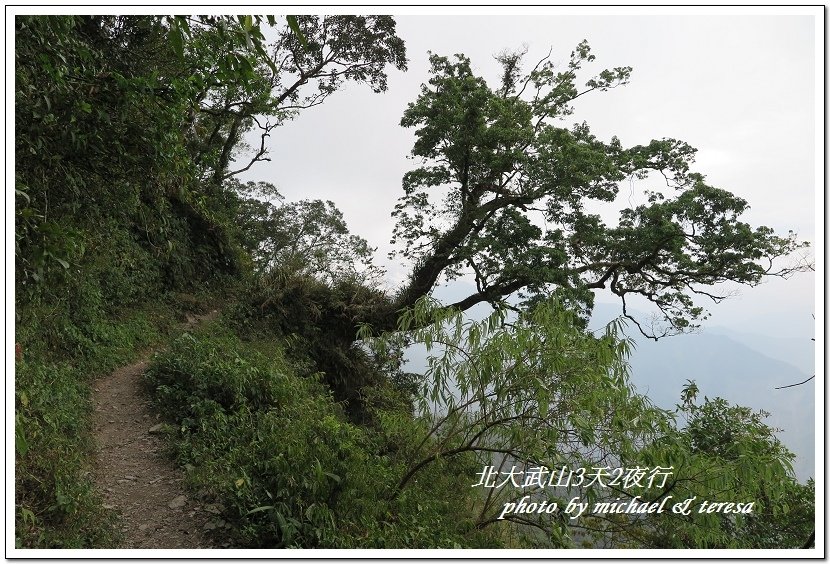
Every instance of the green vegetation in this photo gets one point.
(265, 439)
(539, 392)
(293, 411)
(498, 165)
(55, 499)
(723, 453)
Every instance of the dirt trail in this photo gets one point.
(132, 475)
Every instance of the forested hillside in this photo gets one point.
(290, 413)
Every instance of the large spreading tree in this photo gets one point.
(504, 192)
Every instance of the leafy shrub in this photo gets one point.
(56, 503)
(220, 376)
(319, 318)
(275, 450)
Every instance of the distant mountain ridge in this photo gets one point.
(742, 368)
(797, 351)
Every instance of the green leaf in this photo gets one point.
(20, 443)
(295, 27)
(543, 407)
(176, 36)
(260, 509)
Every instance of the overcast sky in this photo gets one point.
(741, 89)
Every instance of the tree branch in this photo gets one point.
(793, 385)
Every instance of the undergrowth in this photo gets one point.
(265, 440)
(56, 505)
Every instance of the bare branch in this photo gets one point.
(793, 385)
(266, 130)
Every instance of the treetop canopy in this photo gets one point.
(504, 192)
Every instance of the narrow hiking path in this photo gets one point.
(131, 473)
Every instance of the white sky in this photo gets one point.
(741, 89)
